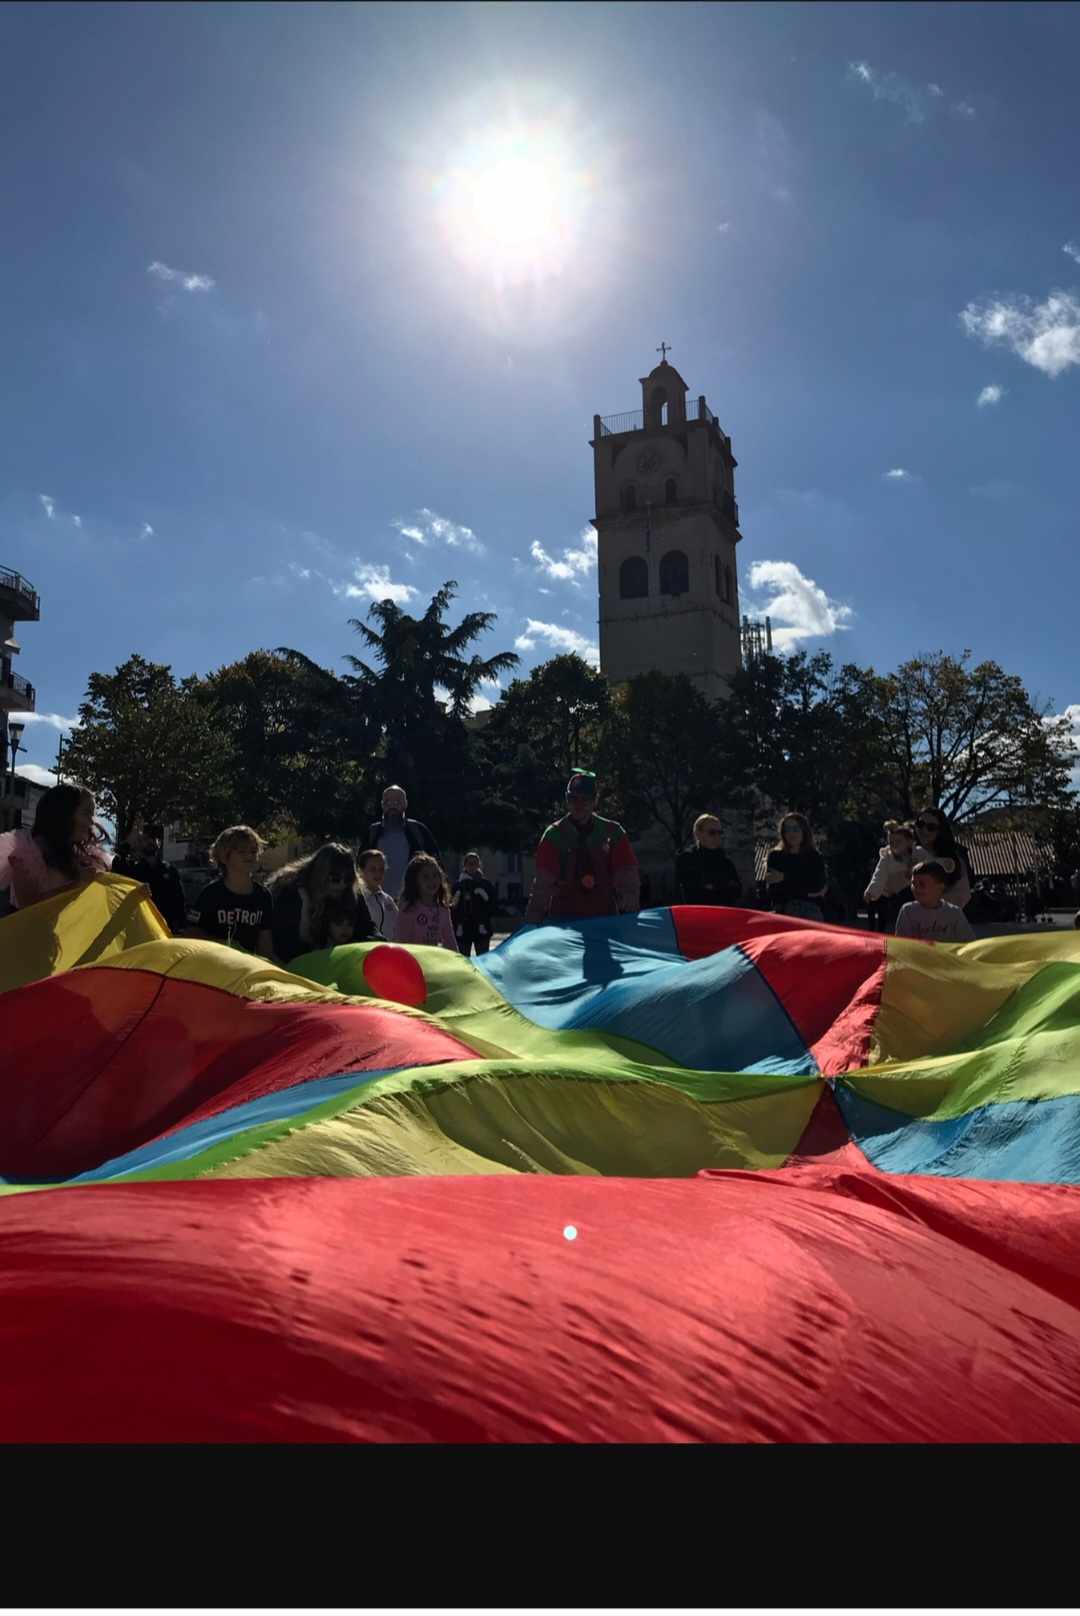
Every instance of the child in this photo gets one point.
(380, 905)
(930, 918)
(62, 849)
(235, 908)
(337, 923)
(472, 903)
(425, 905)
(890, 883)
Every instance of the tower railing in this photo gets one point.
(21, 687)
(634, 420)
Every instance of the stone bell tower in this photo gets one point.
(667, 526)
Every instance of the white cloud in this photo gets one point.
(48, 505)
(480, 704)
(40, 776)
(55, 720)
(935, 89)
(559, 638)
(723, 227)
(1045, 335)
(180, 277)
(991, 394)
(575, 564)
(431, 528)
(891, 87)
(798, 607)
(964, 109)
(146, 531)
(76, 521)
(374, 583)
(1072, 249)
(298, 571)
(996, 488)
(1072, 713)
(898, 474)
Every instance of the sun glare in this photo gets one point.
(514, 203)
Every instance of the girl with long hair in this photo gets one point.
(301, 890)
(935, 843)
(796, 870)
(64, 848)
(889, 888)
(424, 916)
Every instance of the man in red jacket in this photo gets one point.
(585, 865)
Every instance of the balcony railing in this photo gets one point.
(634, 420)
(19, 586)
(22, 688)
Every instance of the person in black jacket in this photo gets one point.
(796, 875)
(300, 891)
(399, 838)
(704, 873)
(163, 880)
(471, 907)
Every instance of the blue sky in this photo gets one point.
(275, 345)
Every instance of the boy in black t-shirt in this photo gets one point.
(235, 908)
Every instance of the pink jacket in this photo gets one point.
(23, 868)
(426, 923)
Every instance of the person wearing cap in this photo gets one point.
(585, 865)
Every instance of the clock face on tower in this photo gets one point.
(647, 461)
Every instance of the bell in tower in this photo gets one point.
(667, 526)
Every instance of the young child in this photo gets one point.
(888, 888)
(63, 848)
(380, 905)
(424, 916)
(337, 923)
(235, 909)
(930, 918)
(472, 905)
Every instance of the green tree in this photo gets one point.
(674, 755)
(418, 694)
(970, 738)
(541, 729)
(146, 746)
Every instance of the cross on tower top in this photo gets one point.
(663, 350)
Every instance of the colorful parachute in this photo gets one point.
(698, 1174)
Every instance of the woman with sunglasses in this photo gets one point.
(704, 873)
(796, 873)
(936, 844)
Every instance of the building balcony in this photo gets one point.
(17, 695)
(19, 600)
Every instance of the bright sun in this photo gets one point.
(513, 204)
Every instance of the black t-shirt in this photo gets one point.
(707, 875)
(803, 872)
(474, 909)
(233, 917)
(165, 889)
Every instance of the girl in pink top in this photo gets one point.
(63, 848)
(424, 916)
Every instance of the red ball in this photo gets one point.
(393, 973)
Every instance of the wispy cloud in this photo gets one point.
(374, 583)
(559, 639)
(146, 531)
(48, 505)
(187, 281)
(76, 521)
(992, 393)
(53, 720)
(575, 564)
(1073, 250)
(431, 528)
(917, 101)
(898, 474)
(996, 488)
(1045, 335)
(798, 607)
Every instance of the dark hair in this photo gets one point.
(808, 843)
(341, 906)
(313, 871)
(369, 853)
(932, 868)
(946, 841)
(410, 892)
(54, 828)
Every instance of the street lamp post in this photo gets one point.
(15, 735)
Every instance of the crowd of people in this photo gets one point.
(396, 889)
